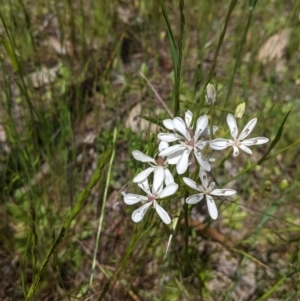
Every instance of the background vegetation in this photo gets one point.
(70, 96)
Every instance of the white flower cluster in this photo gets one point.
(186, 139)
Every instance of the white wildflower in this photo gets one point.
(208, 191)
(238, 141)
(158, 166)
(188, 141)
(150, 199)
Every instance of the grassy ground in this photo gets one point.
(70, 96)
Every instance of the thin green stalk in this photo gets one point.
(241, 45)
(23, 267)
(272, 289)
(81, 199)
(101, 218)
(15, 61)
(211, 122)
(34, 240)
(178, 71)
(220, 42)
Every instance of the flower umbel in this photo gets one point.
(238, 142)
(150, 199)
(208, 191)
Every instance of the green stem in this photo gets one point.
(178, 71)
(220, 42)
(101, 218)
(239, 54)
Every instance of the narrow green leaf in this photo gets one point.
(277, 285)
(11, 54)
(277, 138)
(173, 47)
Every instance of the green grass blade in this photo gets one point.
(10, 52)
(272, 289)
(176, 52)
(214, 62)
(277, 138)
(251, 7)
(173, 47)
(101, 218)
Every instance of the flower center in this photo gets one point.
(191, 143)
(160, 161)
(151, 198)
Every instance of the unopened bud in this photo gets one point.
(211, 94)
(240, 110)
(206, 152)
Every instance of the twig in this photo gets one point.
(156, 94)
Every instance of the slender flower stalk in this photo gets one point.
(206, 191)
(238, 142)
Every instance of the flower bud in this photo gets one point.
(211, 94)
(240, 110)
(206, 152)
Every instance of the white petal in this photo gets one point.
(232, 126)
(255, 141)
(171, 149)
(168, 177)
(220, 143)
(130, 198)
(203, 178)
(158, 179)
(137, 155)
(162, 213)
(183, 162)
(195, 198)
(168, 190)
(138, 214)
(143, 175)
(248, 129)
(202, 123)
(189, 182)
(145, 186)
(200, 144)
(211, 206)
(167, 137)
(188, 117)
(159, 190)
(203, 163)
(211, 186)
(246, 149)
(235, 151)
(163, 145)
(223, 192)
(180, 127)
(168, 123)
(174, 158)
